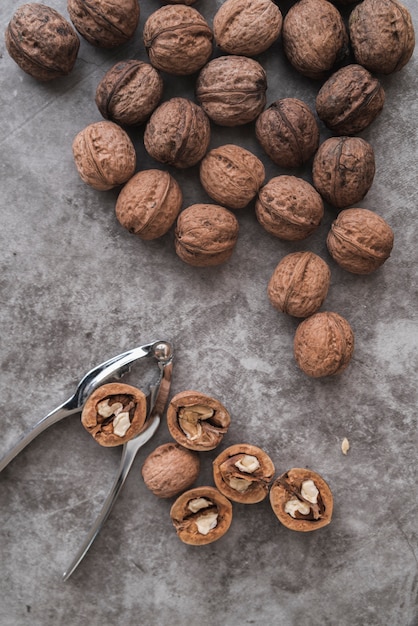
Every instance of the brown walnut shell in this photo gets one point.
(247, 27)
(129, 92)
(288, 132)
(323, 344)
(104, 408)
(206, 525)
(41, 42)
(104, 155)
(105, 23)
(382, 35)
(149, 203)
(350, 100)
(360, 241)
(231, 175)
(178, 39)
(288, 207)
(299, 284)
(232, 90)
(288, 488)
(170, 469)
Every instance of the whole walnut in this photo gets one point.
(288, 207)
(315, 38)
(343, 170)
(105, 23)
(149, 203)
(177, 133)
(170, 469)
(178, 39)
(288, 132)
(360, 241)
(129, 92)
(299, 284)
(41, 42)
(104, 155)
(350, 100)
(205, 235)
(323, 344)
(382, 35)
(232, 90)
(247, 27)
(231, 175)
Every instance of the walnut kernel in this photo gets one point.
(170, 469)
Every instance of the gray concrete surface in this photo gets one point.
(76, 289)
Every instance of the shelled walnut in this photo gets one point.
(170, 469)
(105, 23)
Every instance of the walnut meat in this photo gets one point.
(178, 39)
(299, 284)
(231, 175)
(323, 344)
(247, 27)
(104, 155)
(170, 469)
(41, 42)
(288, 132)
(360, 241)
(105, 23)
(232, 90)
(288, 207)
(149, 203)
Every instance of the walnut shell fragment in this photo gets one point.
(302, 500)
(105, 23)
(170, 469)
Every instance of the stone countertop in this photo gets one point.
(76, 289)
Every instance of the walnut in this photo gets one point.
(301, 500)
(288, 207)
(323, 344)
(104, 155)
(129, 92)
(170, 469)
(177, 133)
(105, 23)
(299, 284)
(205, 235)
(41, 42)
(231, 175)
(178, 39)
(247, 27)
(350, 100)
(382, 35)
(149, 203)
(315, 38)
(232, 90)
(288, 132)
(360, 241)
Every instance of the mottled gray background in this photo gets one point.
(76, 289)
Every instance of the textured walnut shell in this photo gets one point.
(299, 284)
(104, 155)
(101, 428)
(360, 241)
(231, 175)
(288, 486)
(129, 92)
(323, 344)
(149, 203)
(225, 470)
(288, 132)
(203, 434)
(350, 100)
(288, 207)
(247, 27)
(315, 38)
(382, 35)
(170, 469)
(178, 39)
(184, 520)
(105, 23)
(232, 90)
(41, 42)
(177, 133)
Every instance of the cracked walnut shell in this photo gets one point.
(105, 23)
(170, 469)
